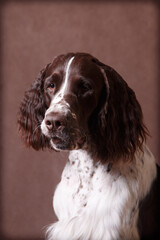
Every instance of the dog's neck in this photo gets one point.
(94, 193)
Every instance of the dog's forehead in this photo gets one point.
(80, 66)
(57, 65)
(85, 66)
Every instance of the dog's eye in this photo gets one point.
(51, 86)
(84, 89)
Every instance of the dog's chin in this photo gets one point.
(60, 145)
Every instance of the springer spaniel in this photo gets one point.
(81, 105)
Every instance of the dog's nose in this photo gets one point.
(54, 121)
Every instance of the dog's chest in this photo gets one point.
(76, 186)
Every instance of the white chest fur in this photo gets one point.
(93, 203)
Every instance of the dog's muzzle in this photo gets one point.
(63, 130)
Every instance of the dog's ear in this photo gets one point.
(120, 118)
(31, 113)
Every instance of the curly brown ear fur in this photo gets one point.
(120, 120)
(31, 114)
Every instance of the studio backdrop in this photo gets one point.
(122, 34)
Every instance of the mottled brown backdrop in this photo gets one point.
(123, 34)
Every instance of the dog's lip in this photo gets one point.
(56, 139)
(75, 142)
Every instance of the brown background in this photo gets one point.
(123, 34)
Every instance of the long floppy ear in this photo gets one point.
(31, 114)
(120, 119)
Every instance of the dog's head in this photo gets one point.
(78, 102)
(72, 89)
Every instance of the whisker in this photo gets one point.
(36, 129)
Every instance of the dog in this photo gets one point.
(80, 105)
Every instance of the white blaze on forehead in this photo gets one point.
(67, 75)
(59, 96)
(56, 105)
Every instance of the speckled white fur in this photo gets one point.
(92, 203)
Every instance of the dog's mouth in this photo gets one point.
(69, 142)
(56, 140)
(59, 142)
